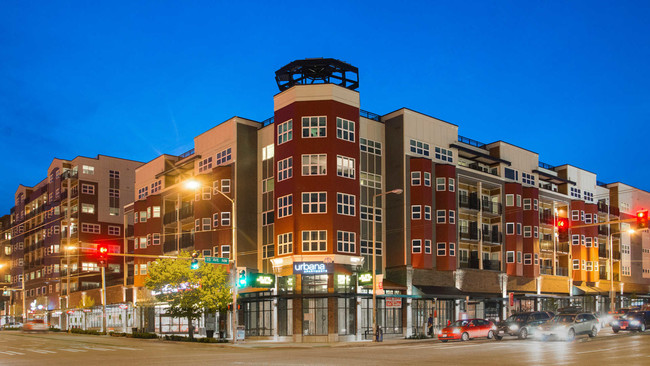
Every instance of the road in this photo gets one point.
(63, 349)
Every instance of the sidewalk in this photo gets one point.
(364, 343)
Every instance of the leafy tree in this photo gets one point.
(189, 293)
(85, 303)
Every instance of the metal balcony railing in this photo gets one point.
(562, 271)
(469, 234)
(491, 207)
(545, 270)
(493, 237)
(470, 202)
(603, 230)
(546, 245)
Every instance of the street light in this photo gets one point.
(374, 257)
(193, 184)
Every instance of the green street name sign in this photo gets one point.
(217, 260)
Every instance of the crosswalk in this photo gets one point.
(18, 351)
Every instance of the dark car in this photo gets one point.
(522, 325)
(633, 320)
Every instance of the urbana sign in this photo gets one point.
(312, 267)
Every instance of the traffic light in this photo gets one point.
(195, 261)
(642, 219)
(241, 277)
(102, 255)
(562, 225)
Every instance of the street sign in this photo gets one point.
(217, 260)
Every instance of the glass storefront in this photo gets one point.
(314, 316)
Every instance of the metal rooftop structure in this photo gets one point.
(317, 71)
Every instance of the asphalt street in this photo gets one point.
(17, 348)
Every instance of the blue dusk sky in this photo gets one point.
(569, 80)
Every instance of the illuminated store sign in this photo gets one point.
(365, 278)
(312, 267)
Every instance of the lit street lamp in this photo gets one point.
(374, 257)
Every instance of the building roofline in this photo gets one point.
(607, 185)
(414, 111)
(511, 144)
(573, 166)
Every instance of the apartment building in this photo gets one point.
(5, 269)
(55, 228)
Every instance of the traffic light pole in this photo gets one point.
(234, 271)
(104, 300)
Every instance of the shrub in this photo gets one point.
(88, 332)
(142, 335)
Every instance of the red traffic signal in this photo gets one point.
(102, 255)
(642, 219)
(562, 224)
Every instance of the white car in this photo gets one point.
(36, 325)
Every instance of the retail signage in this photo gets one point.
(393, 303)
(365, 278)
(217, 260)
(312, 267)
(262, 280)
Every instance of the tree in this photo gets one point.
(189, 293)
(85, 304)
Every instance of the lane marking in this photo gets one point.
(42, 351)
(72, 350)
(11, 353)
(128, 348)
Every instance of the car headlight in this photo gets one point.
(513, 327)
(635, 322)
(456, 331)
(615, 322)
(439, 332)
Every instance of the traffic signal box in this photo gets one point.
(562, 225)
(102, 255)
(194, 264)
(642, 219)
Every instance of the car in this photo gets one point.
(36, 325)
(633, 320)
(568, 325)
(467, 329)
(13, 326)
(522, 325)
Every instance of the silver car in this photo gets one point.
(568, 326)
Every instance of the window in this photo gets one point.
(535, 231)
(416, 178)
(88, 208)
(536, 259)
(206, 193)
(590, 266)
(588, 242)
(285, 206)
(452, 249)
(197, 225)
(528, 179)
(143, 216)
(90, 228)
(575, 239)
(535, 204)
(369, 146)
(87, 189)
(528, 259)
(345, 204)
(224, 156)
(155, 239)
(518, 228)
(206, 224)
(528, 231)
(314, 127)
(452, 216)
(595, 242)
(156, 211)
(143, 269)
(314, 202)
(87, 169)
(285, 132)
(452, 184)
(205, 164)
(441, 216)
(215, 219)
(427, 213)
(346, 241)
(419, 148)
(225, 218)
(518, 200)
(510, 257)
(527, 204)
(345, 167)
(225, 251)
(440, 184)
(427, 246)
(285, 243)
(268, 152)
(510, 228)
(588, 218)
(584, 264)
(113, 230)
(314, 241)
(143, 242)
(416, 245)
(575, 192)
(285, 169)
(344, 129)
(510, 199)
(370, 180)
(511, 174)
(442, 249)
(427, 179)
(444, 154)
(518, 257)
(225, 186)
(366, 213)
(314, 164)
(155, 186)
(416, 212)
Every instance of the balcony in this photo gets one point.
(602, 207)
(603, 230)
(490, 207)
(470, 202)
(616, 277)
(489, 265)
(469, 233)
(603, 252)
(187, 211)
(169, 245)
(546, 246)
(545, 270)
(617, 255)
(546, 217)
(602, 273)
(563, 247)
(187, 240)
(562, 271)
(481, 168)
(169, 218)
(493, 237)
